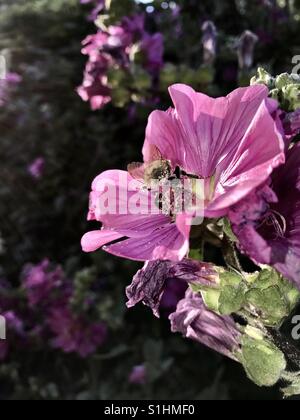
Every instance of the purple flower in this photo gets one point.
(138, 375)
(195, 321)
(40, 280)
(291, 123)
(98, 7)
(267, 223)
(15, 330)
(75, 334)
(134, 25)
(36, 168)
(209, 41)
(246, 47)
(149, 283)
(13, 78)
(95, 87)
(153, 48)
(112, 48)
(6, 85)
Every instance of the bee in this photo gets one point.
(158, 169)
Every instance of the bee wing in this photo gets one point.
(136, 170)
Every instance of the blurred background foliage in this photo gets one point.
(44, 217)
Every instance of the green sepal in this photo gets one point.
(263, 78)
(270, 304)
(232, 299)
(263, 362)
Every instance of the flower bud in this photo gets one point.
(263, 78)
(195, 321)
(246, 45)
(209, 41)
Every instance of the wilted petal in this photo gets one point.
(148, 285)
(195, 321)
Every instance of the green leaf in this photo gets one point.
(263, 361)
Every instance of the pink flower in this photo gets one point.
(36, 168)
(267, 223)
(74, 333)
(95, 87)
(112, 48)
(40, 280)
(220, 141)
(138, 375)
(153, 49)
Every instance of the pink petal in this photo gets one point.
(166, 243)
(254, 160)
(94, 240)
(212, 128)
(163, 132)
(122, 220)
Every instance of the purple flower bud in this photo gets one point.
(209, 41)
(246, 45)
(195, 321)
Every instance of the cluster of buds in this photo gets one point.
(285, 88)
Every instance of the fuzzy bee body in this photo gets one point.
(157, 171)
